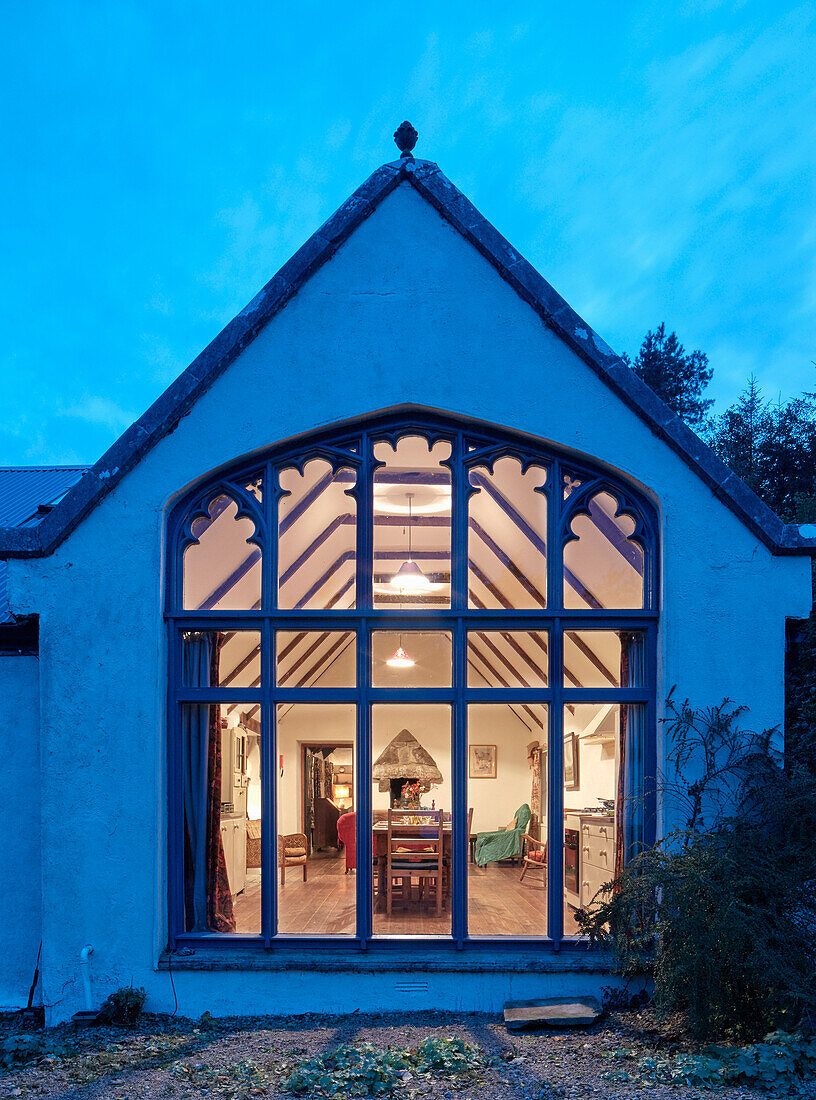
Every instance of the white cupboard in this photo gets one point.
(234, 838)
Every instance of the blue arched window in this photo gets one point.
(411, 688)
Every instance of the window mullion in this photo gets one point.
(460, 839)
(269, 793)
(555, 795)
(555, 574)
(269, 586)
(363, 794)
(364, 601)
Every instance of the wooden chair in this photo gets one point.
(533, 854)
(414, 851)
(449, 819)
(291, 853)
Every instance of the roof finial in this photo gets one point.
(406, 138)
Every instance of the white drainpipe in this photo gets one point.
(84, 957)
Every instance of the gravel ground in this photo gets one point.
(180, 1059)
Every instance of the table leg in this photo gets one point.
(381, 882)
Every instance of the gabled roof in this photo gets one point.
(27, 495)
(425, 176)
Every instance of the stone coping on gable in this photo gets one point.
(425, 176)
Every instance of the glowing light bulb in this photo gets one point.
(400, 659)
(409, 578)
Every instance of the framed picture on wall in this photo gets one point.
(572, 762)
(482, 760)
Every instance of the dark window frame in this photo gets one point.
(472, 444)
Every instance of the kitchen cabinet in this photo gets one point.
(233, 839)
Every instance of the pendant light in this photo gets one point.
(409, 578)
(400, 658)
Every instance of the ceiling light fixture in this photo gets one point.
(400, 659)
(409, 578)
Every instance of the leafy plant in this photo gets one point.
(124, 1006)
(27, 1047)
(365, 1070)
(722, 912)
(233, 1082)
(778, 1065)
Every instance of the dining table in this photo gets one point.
(380, 838)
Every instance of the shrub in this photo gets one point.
(124, 1006)
(722, 912)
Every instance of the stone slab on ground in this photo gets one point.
(551, 1012)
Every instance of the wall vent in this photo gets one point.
(411, 987)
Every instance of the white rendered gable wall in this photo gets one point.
(406, 311)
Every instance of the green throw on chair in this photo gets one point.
(503, 843)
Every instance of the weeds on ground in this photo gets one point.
(83, 1064)
(365, 1070)
(31, 1047)
(777, 1065)
(237, 1081)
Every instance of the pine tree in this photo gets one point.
(738, 436)
(677, 376)
(772, 447)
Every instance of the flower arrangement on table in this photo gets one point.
(410, 796)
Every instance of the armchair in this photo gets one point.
(347, 835)
(291, 853)
(503, 843)
(534, 854)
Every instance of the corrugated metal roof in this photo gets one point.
(27, 494)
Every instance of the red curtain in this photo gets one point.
(220, 915)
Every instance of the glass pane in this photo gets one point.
(507, 658)
(411, 659)
(221, 785)
(317, 538)
(412, 524)
(316, 658)
(603, 568)
(233, 658)
(222, 569)
(507, 536)
(254, 485)
(592, 659)
(507, 800)
(412, 826)
(591, 737)
(570, 482)
(316, 848)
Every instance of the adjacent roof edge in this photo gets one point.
(165, 413)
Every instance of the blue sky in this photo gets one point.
(162, 160)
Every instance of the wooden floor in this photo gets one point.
(498, 904)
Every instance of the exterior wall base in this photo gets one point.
(300, 992)
(254, 982)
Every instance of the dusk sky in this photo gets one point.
(162, 160)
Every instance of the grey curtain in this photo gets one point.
(630, 810)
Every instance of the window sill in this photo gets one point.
(475, 957)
